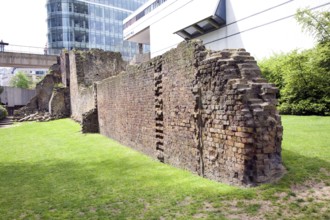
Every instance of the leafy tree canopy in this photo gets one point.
(303, 77)
(21, 80)
(316, 23)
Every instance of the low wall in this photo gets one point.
(208, 112)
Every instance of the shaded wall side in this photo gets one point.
(125, 108)
(87, 68)
(74, 89)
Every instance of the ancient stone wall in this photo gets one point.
(44, 91)
(208, 112)
(126, 107)
(59, 103)
(237, 121)
(65, 68)
(86, 68)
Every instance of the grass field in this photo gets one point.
(51, 171)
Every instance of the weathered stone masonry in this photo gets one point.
(84, 68)
(208, 112)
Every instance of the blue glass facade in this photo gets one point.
(85, 24)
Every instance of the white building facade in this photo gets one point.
(261, 27)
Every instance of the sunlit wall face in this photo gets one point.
(85, 24)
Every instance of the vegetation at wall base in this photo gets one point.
(51, 170)
(3, 112)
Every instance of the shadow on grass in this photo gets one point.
(299, 170)
(120, 188)
(110, 189)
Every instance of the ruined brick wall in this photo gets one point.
(59, 103)
(175, 131)
(86, 68)
(239, 129)
(65, 68)
(208, 112)
(44, 91)
(126, 108)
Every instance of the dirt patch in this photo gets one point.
(187, 201)
(310, 199)
(248, 209)
(325, 171)
(310, 189)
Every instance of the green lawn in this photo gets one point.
(51, 171)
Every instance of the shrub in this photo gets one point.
(303, 79)
(305, 107)
(3, 112)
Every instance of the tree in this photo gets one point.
(20, 80)
(1, 91)
(303, 77)
(316, 23)
(3, 110)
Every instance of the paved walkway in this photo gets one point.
(7, 122)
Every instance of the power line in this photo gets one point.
(262, 25)
(263, 11)
(252, 28)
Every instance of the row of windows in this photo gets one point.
(146, 11)
(89, 26)
(128, 4)
(92, 10)
(83, 36)
(85, 24)
(84, 8)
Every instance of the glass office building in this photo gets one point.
(85, 24)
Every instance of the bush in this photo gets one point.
(303, 79)
(304, 107)
(3, 112)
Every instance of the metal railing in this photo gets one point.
(31, 50)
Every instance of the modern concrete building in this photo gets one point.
(14, 98)
(85, 24)
(261, 27)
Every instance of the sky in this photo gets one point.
(23, 22)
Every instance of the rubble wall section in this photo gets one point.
(86, 68)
